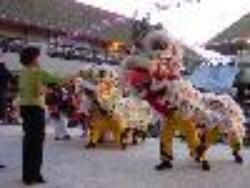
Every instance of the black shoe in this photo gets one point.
(205, 165)
(124, 146)
(144, 136)
(123, 140)
(164, 165)
(90, 145)
(67, 137)
(197, 159)
(238, 158)
(29, 182)
(195, 156)
(2, 166)
(200, 151)
(135, 141)
(34, 182)
(41, 180)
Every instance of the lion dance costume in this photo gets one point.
(104, 118)
(155, 75)
(122, 118)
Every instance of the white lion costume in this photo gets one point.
(118, 116)
(156, 76)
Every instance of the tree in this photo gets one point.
(140, 29)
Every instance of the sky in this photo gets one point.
(192, 23)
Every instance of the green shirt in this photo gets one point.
(31, 84)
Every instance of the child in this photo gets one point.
(32, 101)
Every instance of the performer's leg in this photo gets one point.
(166, 142)
(116, 129)
(95, 132)
(209, 137)
(119, 132)
(236, 146)
(188, 130)
(60, 129)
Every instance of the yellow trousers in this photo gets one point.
(176, 122)
(102, 125)
(212, 136)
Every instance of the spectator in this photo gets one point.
(5, 77)
(59, 114)
(85, 104)
(78, 83)
(32, 100)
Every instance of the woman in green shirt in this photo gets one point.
(32, 100)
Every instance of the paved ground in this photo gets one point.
(67, 165)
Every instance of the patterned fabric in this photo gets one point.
(162, 85)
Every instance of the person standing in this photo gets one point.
(85, 104)
(5, 78)
(58, 114)
(32, 101)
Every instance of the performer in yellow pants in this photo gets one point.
(212, 136)
(101, 124)
(175, 122)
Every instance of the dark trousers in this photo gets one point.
(34, 132)
(3, 106)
